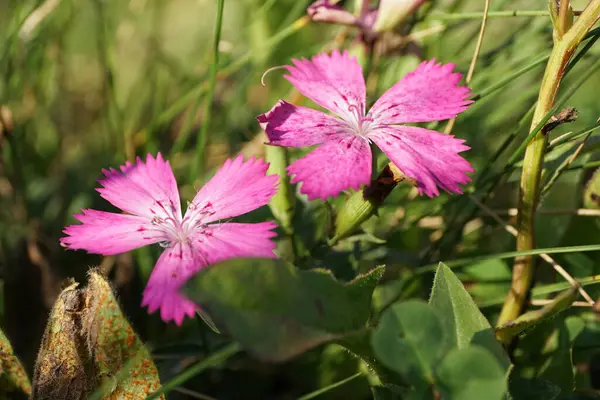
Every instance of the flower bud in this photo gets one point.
(282, 204)
(363, 204)
(325, 11)
(393, 12)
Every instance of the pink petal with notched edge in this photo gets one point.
(109, 233)
(336, 165)
(238, 187)
(142, 188)
(430, 157)
(292, 126)
(334, 81)
(174, 267)
(429, 93)
(212, 244)
(220, 242)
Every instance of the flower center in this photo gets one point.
(177, 229)
(358, 123)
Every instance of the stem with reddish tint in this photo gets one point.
(523, 270)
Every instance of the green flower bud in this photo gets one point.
(393, 12)
(363, 204)
(283, 203)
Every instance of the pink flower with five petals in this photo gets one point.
(343, 159)
(148, 193)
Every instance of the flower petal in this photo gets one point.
(334, 81)
(212, 244)
(292, 126)
(429, 93)
(334, 166)
(109, 233)
(175, 266)
(220, 242)
(238, 187)
(430, 157)
(146, 189)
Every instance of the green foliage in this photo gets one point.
(89, 348)
(90, 85)
(471, 373)
(292, 311)
(13, 377)
(445, 347)
(411, 340)
(532, 318)
(462, 321)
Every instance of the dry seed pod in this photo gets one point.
(12, 374)
(122, 363)
(60, 371)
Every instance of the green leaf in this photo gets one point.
(531, 389)
(558, 367)
(462, 321)
(532, 318)
(12, 374)
(471, 373)
(411, 340)
(276, 311)
(121, 361)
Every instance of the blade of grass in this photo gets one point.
(510, 254)
(510, 78)
(188, 97)
(199, 159)
(326, 389)
(211, 361)
(540, 291)
(491, 14)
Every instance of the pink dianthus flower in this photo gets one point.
(148, 193)
(343, 159)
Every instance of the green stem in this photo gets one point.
(523, 270)
(199, 159)
(491, 14)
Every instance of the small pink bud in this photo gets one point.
(324, 11)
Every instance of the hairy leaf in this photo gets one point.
(276, 311)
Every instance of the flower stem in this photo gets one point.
(199, 159)
(523, 270)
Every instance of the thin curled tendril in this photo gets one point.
(262, 78)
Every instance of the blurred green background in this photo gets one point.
(89, 84)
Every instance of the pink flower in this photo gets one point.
(343, 159)
(148, 193)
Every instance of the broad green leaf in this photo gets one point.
(12, 374)
(276, 311)
(411, 340)
(121, 361)
(471, 373)
(60, 371)
(532, 318)
(463, 323)
(558, 367)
